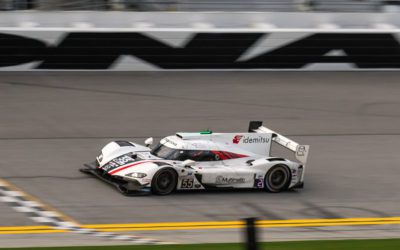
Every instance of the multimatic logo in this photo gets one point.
(247, 139)
(101, 50)
(225, 180)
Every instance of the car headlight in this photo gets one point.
(136, 175)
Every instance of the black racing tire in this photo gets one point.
(277, 179)
(164, 181)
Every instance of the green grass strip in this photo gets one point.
(381, 244)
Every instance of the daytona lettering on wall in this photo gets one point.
(101, 50)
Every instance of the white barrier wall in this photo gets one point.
(199, 41)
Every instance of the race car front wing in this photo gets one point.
(125, 187)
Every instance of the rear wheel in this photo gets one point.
(164, 181)
(277, 179)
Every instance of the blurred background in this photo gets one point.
(200, 5)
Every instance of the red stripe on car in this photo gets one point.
(221, 156)
(224, 155)
(238, 155)
(128, 166)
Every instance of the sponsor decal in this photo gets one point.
(187, 183)
(170, 141)
(225, 180)
(259, 182)
(301, 151)
(255, 140)
(237, 139)
(123, 160)
(247, 139)
(100, 50)
(118, 162)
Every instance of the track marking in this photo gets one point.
(240, 224)
(53, 220)
(56, 222)
(31, 201)
(106, 229)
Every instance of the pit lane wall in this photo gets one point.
(132, 41)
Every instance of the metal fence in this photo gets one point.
(204, 5)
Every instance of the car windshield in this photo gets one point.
(164, 152)
(167, 153)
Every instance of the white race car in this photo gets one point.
(203, 160)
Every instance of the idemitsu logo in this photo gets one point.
(248, 139)
(237, 139)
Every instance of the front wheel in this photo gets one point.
(164, 181)
(277, 179)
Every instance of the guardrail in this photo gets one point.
(201, 41)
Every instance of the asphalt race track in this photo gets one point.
(52, 123)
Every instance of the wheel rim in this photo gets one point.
(278, 178)
(165, 180)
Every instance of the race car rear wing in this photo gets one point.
(301, 151)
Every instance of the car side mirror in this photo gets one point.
(188, 163)
(149, 141)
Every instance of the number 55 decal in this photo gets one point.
(187, 183)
